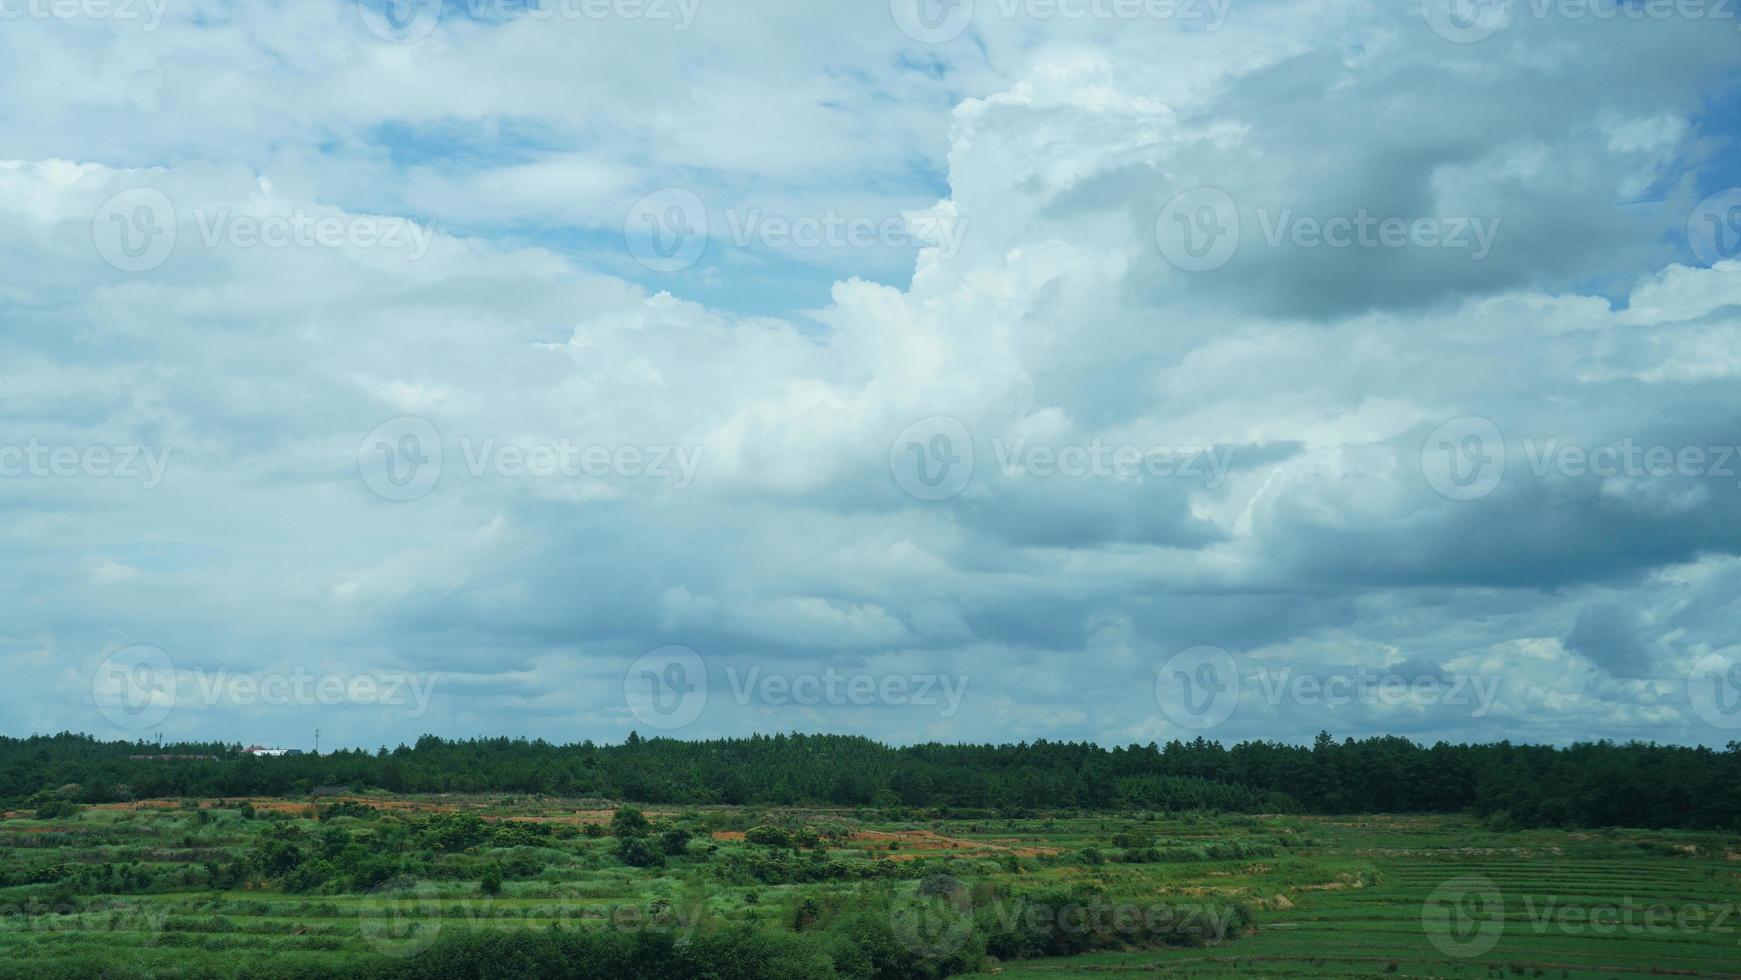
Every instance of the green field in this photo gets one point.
(211, 887)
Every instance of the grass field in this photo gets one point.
(176, 883)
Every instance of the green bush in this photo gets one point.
(629, 822)
(768, 836)
(637, 853)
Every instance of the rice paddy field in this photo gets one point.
(197, 887)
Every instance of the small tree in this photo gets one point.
(637, 853)
(768, 836)
(629, 822)
(490, 882)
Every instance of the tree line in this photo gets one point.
(1586, 784)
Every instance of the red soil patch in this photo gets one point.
(578, 818)
(925, 840)
(138, 805)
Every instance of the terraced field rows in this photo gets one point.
(1382, 896)
(1534, 912)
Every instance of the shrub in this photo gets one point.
(454, 832)
(520, 834)
(806, 913)
(629, 822)
(768, 836)
(637, 853)
(1134, 840)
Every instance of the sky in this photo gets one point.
(958, 370)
